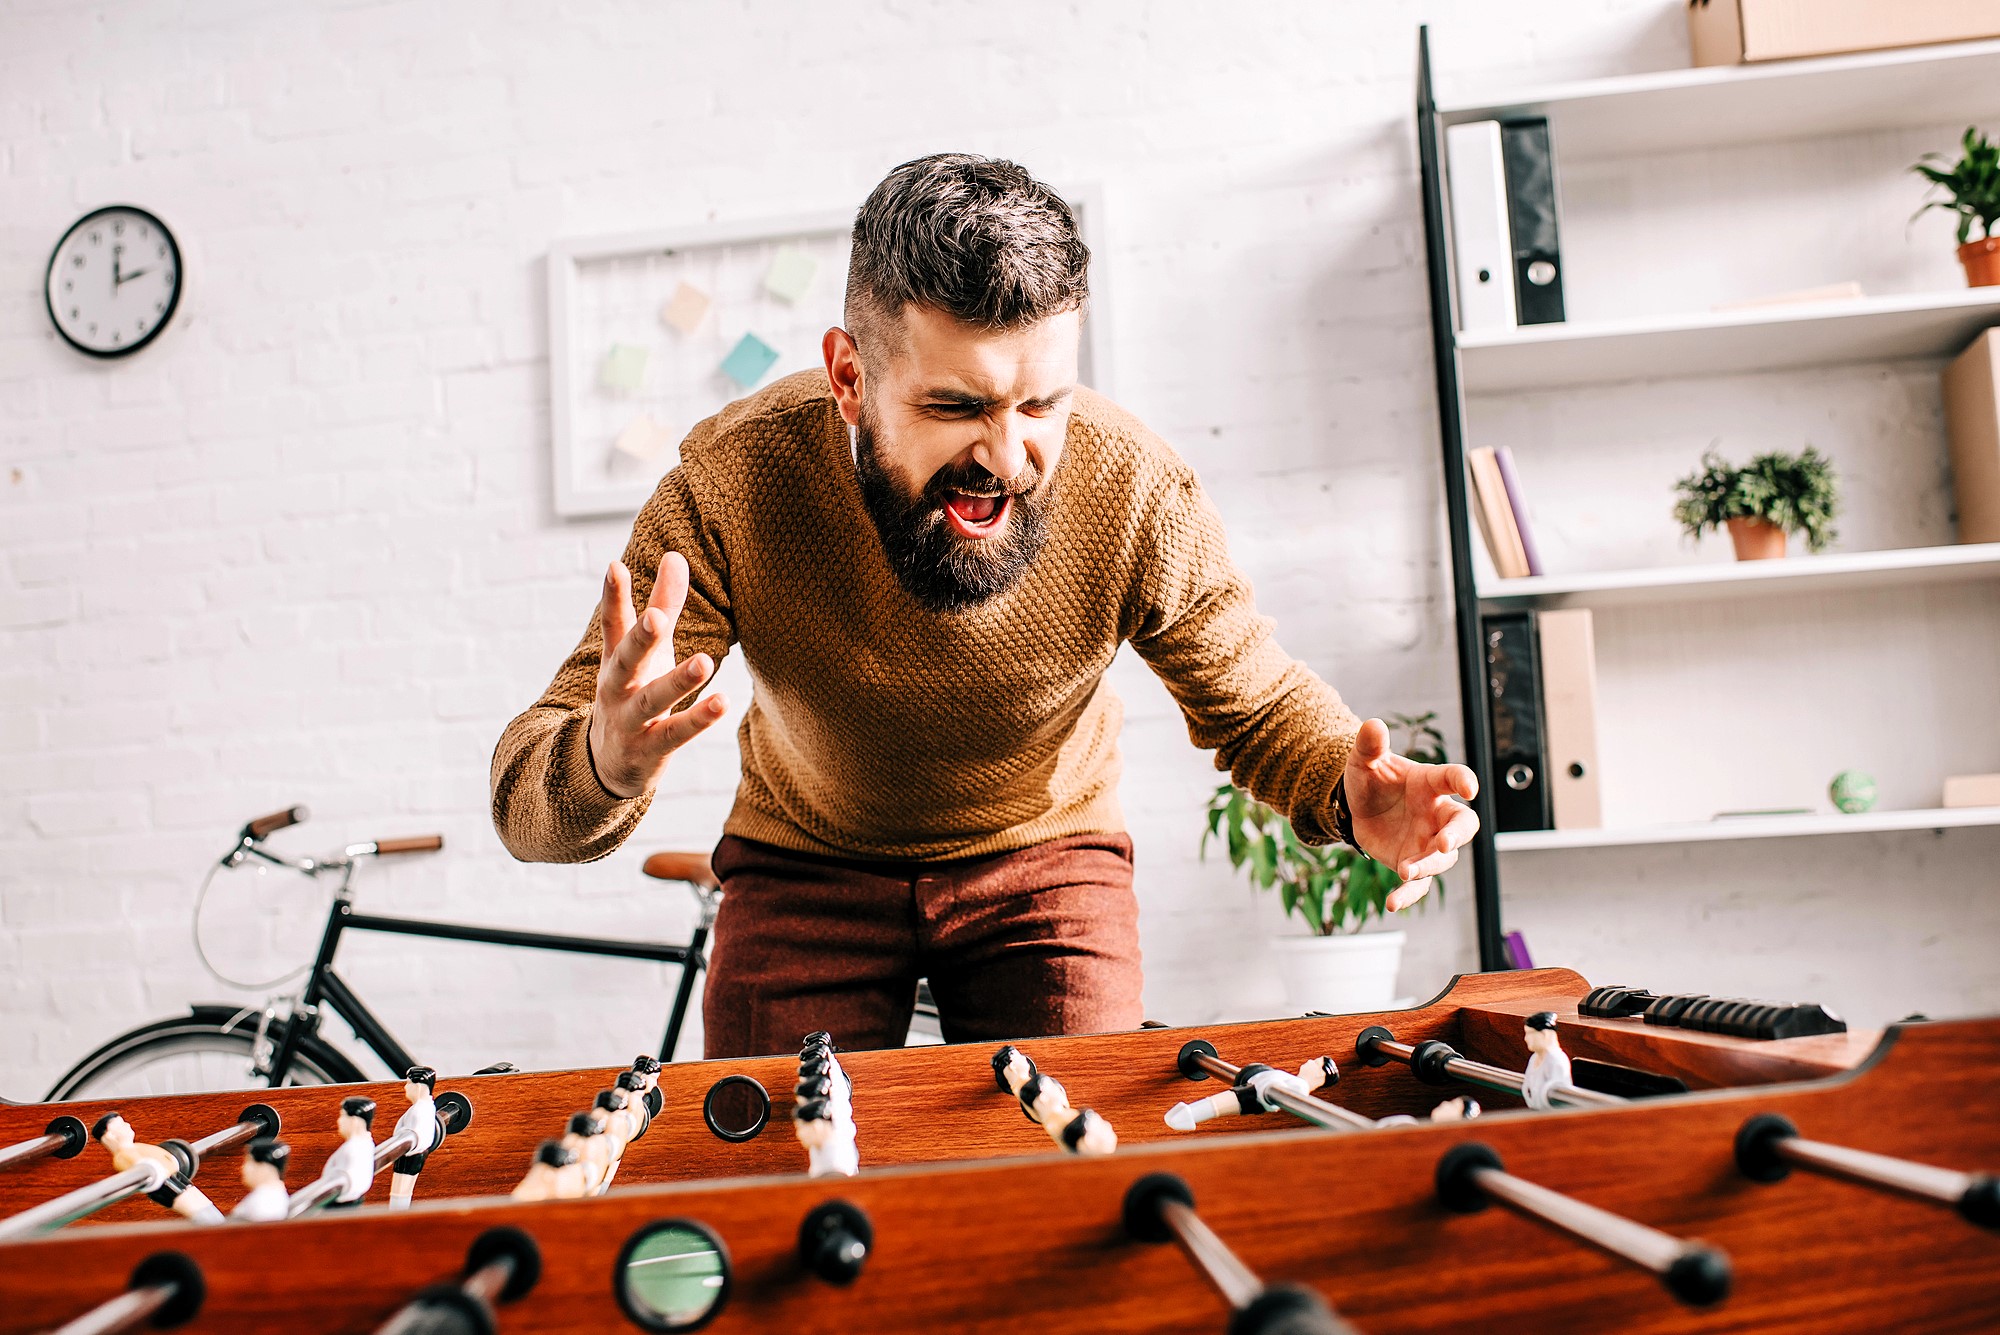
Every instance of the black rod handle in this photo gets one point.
(501, 1265)
(1436, 1062)
(1470, 1176)
(1159, 1207)
(63, 1138)
(1768, 1147)
(166, 1290)
(835, 1238)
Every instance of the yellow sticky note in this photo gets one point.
(624, 367)
(686, 309)
(791, 274)
(643, 438)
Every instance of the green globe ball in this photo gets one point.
(1852, 791)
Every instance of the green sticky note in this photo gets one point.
(624, 367)
(749, 360)
(791, 273)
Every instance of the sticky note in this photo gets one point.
(643, 438)
(791, 273)
(686, 309)
(624, 367)
(749, 360)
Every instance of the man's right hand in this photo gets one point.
(632, 731)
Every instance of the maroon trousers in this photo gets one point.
(1043, 940)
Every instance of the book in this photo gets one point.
(1569, 708)
(1517, 507)
(1503, 542)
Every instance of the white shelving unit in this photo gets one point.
(1798, 574)
(1745, 104)
(1764, 338)
(1751, 827)
(1678, 111)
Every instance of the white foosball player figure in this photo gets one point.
(264, 1164)
(555, 1175)
(585, 1139)
(1252, 1093)
(421, 1120)
(634, 1087)
(1548, 1064)
(174, 1191)
(352, 1163)
(614, 1114)
(1461, 1109)
(829, 1140)
(1045, 1101)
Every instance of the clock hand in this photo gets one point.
(126, 278)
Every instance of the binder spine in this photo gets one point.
(1532, 214)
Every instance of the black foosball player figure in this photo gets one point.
(614, 1114)
(178, 1194)
(1045, 1101)
(421, 1120)
(1548, 1064)
(352, 1163)
(633, 1086)
(553, 1176)
(264, 1164)
(648, 1071)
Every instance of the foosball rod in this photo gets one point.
(1198, 1060)
(1436, 1062)
(1768, 1147)
(64, 1139)
(1470, 1175)
(257, 1120)
(1159, 1207)
(165, 1290)
(501, 1265)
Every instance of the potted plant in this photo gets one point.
(1971, 190)
(1774, 494)
(1334, 890)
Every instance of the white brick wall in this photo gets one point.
(302, 549)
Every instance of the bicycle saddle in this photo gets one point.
(690, 867)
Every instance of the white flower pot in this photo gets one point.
(1340, 974)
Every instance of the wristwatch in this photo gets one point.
(1343, 819)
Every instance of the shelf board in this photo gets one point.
(1762, 338)
(1749, 827)
(1796, 574)
(1955, 84)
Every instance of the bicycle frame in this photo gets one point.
(325, 988)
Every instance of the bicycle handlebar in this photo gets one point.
(416, 843)
(277, 820)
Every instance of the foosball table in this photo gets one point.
(1522, 1153)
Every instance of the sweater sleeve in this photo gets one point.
(548, 803)
(1281, 732)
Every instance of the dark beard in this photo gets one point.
(942, 571)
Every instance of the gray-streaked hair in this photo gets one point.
(979, 239)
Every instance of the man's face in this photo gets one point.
(958, 431)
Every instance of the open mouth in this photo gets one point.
(973, 516)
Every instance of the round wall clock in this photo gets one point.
(114, 281)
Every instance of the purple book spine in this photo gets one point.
(1517, 951)
(1505, 458)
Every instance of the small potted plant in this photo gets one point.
(1774, 494)
(1971, 189)
(1334, 890)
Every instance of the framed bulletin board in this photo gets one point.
(650, 332)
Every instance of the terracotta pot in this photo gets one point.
(1756, 539)
(1982, 262)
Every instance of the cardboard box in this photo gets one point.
(1972, 790)
(1732, 32)
(1972, 423)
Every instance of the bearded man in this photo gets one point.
(929, 554)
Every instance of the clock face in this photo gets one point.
(114, 281)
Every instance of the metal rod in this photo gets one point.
(1211, 1255)
(1470, 1175)
(223, 1139)
(25, 1151)
(1768, 1147)
(322, 1192)
(87, 1199)
(486, 1282)
(1433, 1055)
(125, 1312)
(1305, 1107)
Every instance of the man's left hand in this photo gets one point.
(1405, 813)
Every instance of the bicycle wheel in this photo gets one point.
(208, 1048)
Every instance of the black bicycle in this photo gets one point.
(280, 1043)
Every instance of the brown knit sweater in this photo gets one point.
(879, 729)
